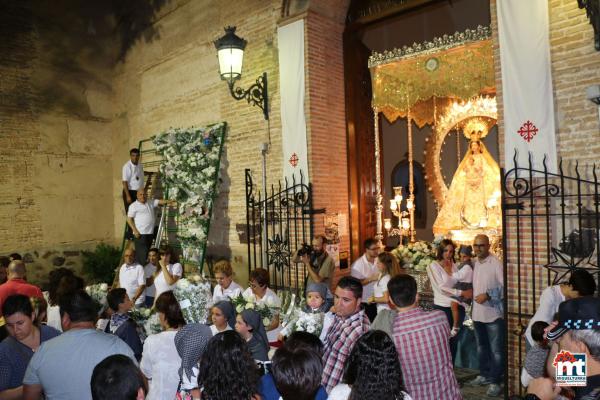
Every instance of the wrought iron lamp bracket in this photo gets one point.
(257, 94)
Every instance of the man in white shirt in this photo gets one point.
(488, 316)
(149, 271)
(132, 278)
(365, 270)
(133, 180)
(141, 218)
(580, 283)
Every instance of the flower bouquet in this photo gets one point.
(98, 293)
(152, 325)
(417, 255)
(309, 322)
(266, 311)
(195, 299)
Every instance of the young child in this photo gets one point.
(316, 308)
(222, 315)
(461, 280)
(120, 323)
(535, 359)
(388, 267)
(250, 327)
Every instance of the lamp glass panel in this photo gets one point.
(230, 62)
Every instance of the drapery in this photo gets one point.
(526, 82)
(291, 80)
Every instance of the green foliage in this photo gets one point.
(99, 265)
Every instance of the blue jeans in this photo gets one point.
(461, 318)
(490, 346)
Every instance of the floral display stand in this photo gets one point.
(190, 169)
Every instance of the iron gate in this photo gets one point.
(276, 226)
(550, 227)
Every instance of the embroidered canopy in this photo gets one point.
(432, 74)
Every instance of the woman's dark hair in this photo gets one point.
(54, 279)
(297, 373)
(261, 276)
(115, 297)
(117, 378)
(165, 250)
(300, 339)
(373, 369)
(17, 303)
(441, 247)
(234, 376)
(167, 304)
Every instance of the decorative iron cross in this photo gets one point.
(294, 160)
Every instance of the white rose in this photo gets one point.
(310, 329)
(104, 287)
(239, 308)
(249, 306)
(266, 321)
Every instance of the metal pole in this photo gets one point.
(264, 149)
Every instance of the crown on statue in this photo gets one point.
(475, 129)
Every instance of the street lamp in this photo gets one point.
(230, 51)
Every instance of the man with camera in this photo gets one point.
(319, 265)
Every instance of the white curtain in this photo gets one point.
(529, 126)
(291, 82)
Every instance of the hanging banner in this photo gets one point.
(291, 82)
(527, 95)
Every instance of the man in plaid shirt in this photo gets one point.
(422, 340)
(348, 325)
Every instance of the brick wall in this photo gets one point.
(575, 65)
(56, 113)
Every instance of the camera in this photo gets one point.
(305, 250)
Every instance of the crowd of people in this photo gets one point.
(376, 341)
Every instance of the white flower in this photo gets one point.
(183, 283)
(266, 321)
(104, 287)
(249, 306)
(239, 308)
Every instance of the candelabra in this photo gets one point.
(404, 228)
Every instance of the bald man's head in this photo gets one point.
(16, 269)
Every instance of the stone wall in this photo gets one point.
(56, 111)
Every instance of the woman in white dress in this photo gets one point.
(226, 288)
(167, 274)
(160, 360)
(388, 267)
(260, 293)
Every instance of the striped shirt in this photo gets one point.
(422, 341)
(338, 343)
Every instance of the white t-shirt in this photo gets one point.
(143, 216)
(548, 306)
(133, 175)
(487, 275)
(160, 283)
(131, 277)
(363, 269)
(160, 363)
(224, 294)
(437, 276)
(342, 392)
(270, 299)
(214, 329)
(149, 271)
(379, 289)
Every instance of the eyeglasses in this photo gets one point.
(480, 245)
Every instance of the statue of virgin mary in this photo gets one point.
(472, 202)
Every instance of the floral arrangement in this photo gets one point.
(310, 322)
(266, 311)
(98, 293)
(195, 299)
(417, 255)
(152, 325)
(190, 170)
